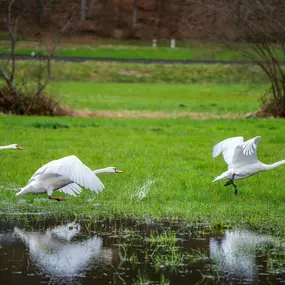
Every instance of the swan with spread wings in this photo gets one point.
(65, 174)
(241, 158)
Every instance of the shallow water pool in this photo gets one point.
(136, 252)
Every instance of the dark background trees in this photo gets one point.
(145, 19)
(256, 28)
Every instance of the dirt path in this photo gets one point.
(155, 115)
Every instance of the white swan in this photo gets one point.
(64, 174)
(11, 146)
(241, 159)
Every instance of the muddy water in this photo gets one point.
(133, 252)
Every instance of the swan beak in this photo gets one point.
(118, 171)
(19, 147)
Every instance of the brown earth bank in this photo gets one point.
(61, 112)
(153, 115)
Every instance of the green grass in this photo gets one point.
(175, 154)
(144, 73)
(169, 98)
(138, 50)
(131, 52)
(164, 239)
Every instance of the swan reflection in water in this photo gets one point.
(235, 252)
(54, 252)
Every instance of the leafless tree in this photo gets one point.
(134, 22)
(12, 30)
(259, 34)
(48, 42)
(50, 50)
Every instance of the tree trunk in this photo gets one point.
(83, 10)
(134, 14)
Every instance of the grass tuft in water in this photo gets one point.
(125, 257)
(165, 239)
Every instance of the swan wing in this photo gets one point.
(71, 189)
(72, 168)
(246, 153)
(40, 171)
(227, 149)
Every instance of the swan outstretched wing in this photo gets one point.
(40, 171)
(71, 189)
(43, 169)
(72, 168)
(245, 153)
(227, 149)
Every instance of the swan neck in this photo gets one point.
(5, 147)
(101, 170)
(274, 165)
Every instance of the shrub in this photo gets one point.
(25, 103)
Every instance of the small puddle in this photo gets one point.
(135, 252)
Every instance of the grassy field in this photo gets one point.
(141, 73)
(170, 158)
(138, 50)
(131, 51)
(215, 89)
(168, 98)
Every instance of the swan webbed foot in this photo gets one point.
(56, 198)
(230, 182)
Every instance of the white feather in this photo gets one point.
(59, 174)
(245, 154)
(226, 148)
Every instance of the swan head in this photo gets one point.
(15, 146)
(114, 170)
(107, 170)
(111, 169)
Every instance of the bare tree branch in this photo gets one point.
(50, 54)
(11, 29)
(260, 33)
(7, 79)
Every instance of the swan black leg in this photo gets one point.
(231, 182)
(236, 189)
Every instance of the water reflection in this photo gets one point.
(68, 254)
(235, 252)
(54, 254)
(66, 232)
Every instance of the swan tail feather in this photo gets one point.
(217, 178)
(23, 191)
(225, 175)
